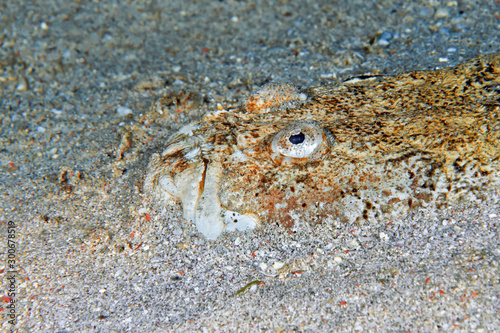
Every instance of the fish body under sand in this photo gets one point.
(370, 148)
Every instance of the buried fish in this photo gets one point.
(370, 148)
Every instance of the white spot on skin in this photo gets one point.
(236, 221)
(238, 156)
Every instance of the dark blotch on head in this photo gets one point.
(297, 138)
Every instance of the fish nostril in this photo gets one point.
(297, 139)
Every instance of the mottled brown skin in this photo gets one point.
(423, 139)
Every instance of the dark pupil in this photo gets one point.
(297, 138)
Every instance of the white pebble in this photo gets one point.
(23, 85)
(441, 12)
(427, 11)
(237, 241)
(492, 216)
(444, 59)
(118, 272)
(354, 243)
(177, 231)
(123, 111)
(278, 265)
(337, 260)
(263, 266)
(383, 42)
(176, 68)
(384, 236)
(445, 222)
(40, 129)
(57, 112)
(451, 50)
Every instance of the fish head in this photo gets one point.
(274, 160)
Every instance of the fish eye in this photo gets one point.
(297, 138)
(300, 140)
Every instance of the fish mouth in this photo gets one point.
(183, 173)
(209, 216)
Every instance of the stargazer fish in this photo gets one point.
(370, 148)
